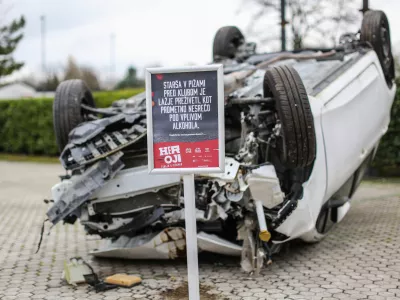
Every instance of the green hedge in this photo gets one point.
(387, 160)
(26, 126)
(104, 99)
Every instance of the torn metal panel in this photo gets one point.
(143, 219)
(231, 170)
(160, 245)
(213, 243)
(93, 140)
(74, 157)
(179, 215)
(134, 181)
(124, 207)
(127, 225)
(88, 130)
(84, 186)
(212, 214)
(116, 223)
(167, 244)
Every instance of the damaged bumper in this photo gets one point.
(72, 194)
(111, 193)
(143, 215)
(170, 243)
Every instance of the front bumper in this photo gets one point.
(169, 243)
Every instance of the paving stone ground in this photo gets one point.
(359, 259)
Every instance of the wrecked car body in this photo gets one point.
(300, 129)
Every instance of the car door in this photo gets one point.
(353, 121)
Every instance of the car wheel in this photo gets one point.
(296, 143)
(375, 30)
(227, 40)
(67, 110)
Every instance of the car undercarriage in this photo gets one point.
(271, 148)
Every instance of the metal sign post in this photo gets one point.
(191, 237)
(185, 135)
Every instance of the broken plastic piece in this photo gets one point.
(75, 270)
(79, 271)
(84, 186)
(264, 186)
(99, 286)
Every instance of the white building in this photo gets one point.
(19, 90)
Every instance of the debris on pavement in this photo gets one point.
(75, 271)
(79, 271)
(123, 280)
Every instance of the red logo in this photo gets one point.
(171, 154)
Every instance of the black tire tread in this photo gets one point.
(67, 108)
(222, 41)
(294, 111)
(370, 32)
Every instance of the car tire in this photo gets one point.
(67, 110)
(226, 42)
(375, 31)
(296, 143)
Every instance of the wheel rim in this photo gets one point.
(235, 43)
(85, 114)
(385, 39)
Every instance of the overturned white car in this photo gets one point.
(301, 128)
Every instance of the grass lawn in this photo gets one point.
(29, 158)
(382, 180)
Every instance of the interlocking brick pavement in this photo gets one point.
(359, 259)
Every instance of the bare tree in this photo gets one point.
(72, 70)
(87, 74)
(90, 77)
(50, 83)
(310, 22)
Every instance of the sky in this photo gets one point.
(147, 32)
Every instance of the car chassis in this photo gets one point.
(281, 157)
